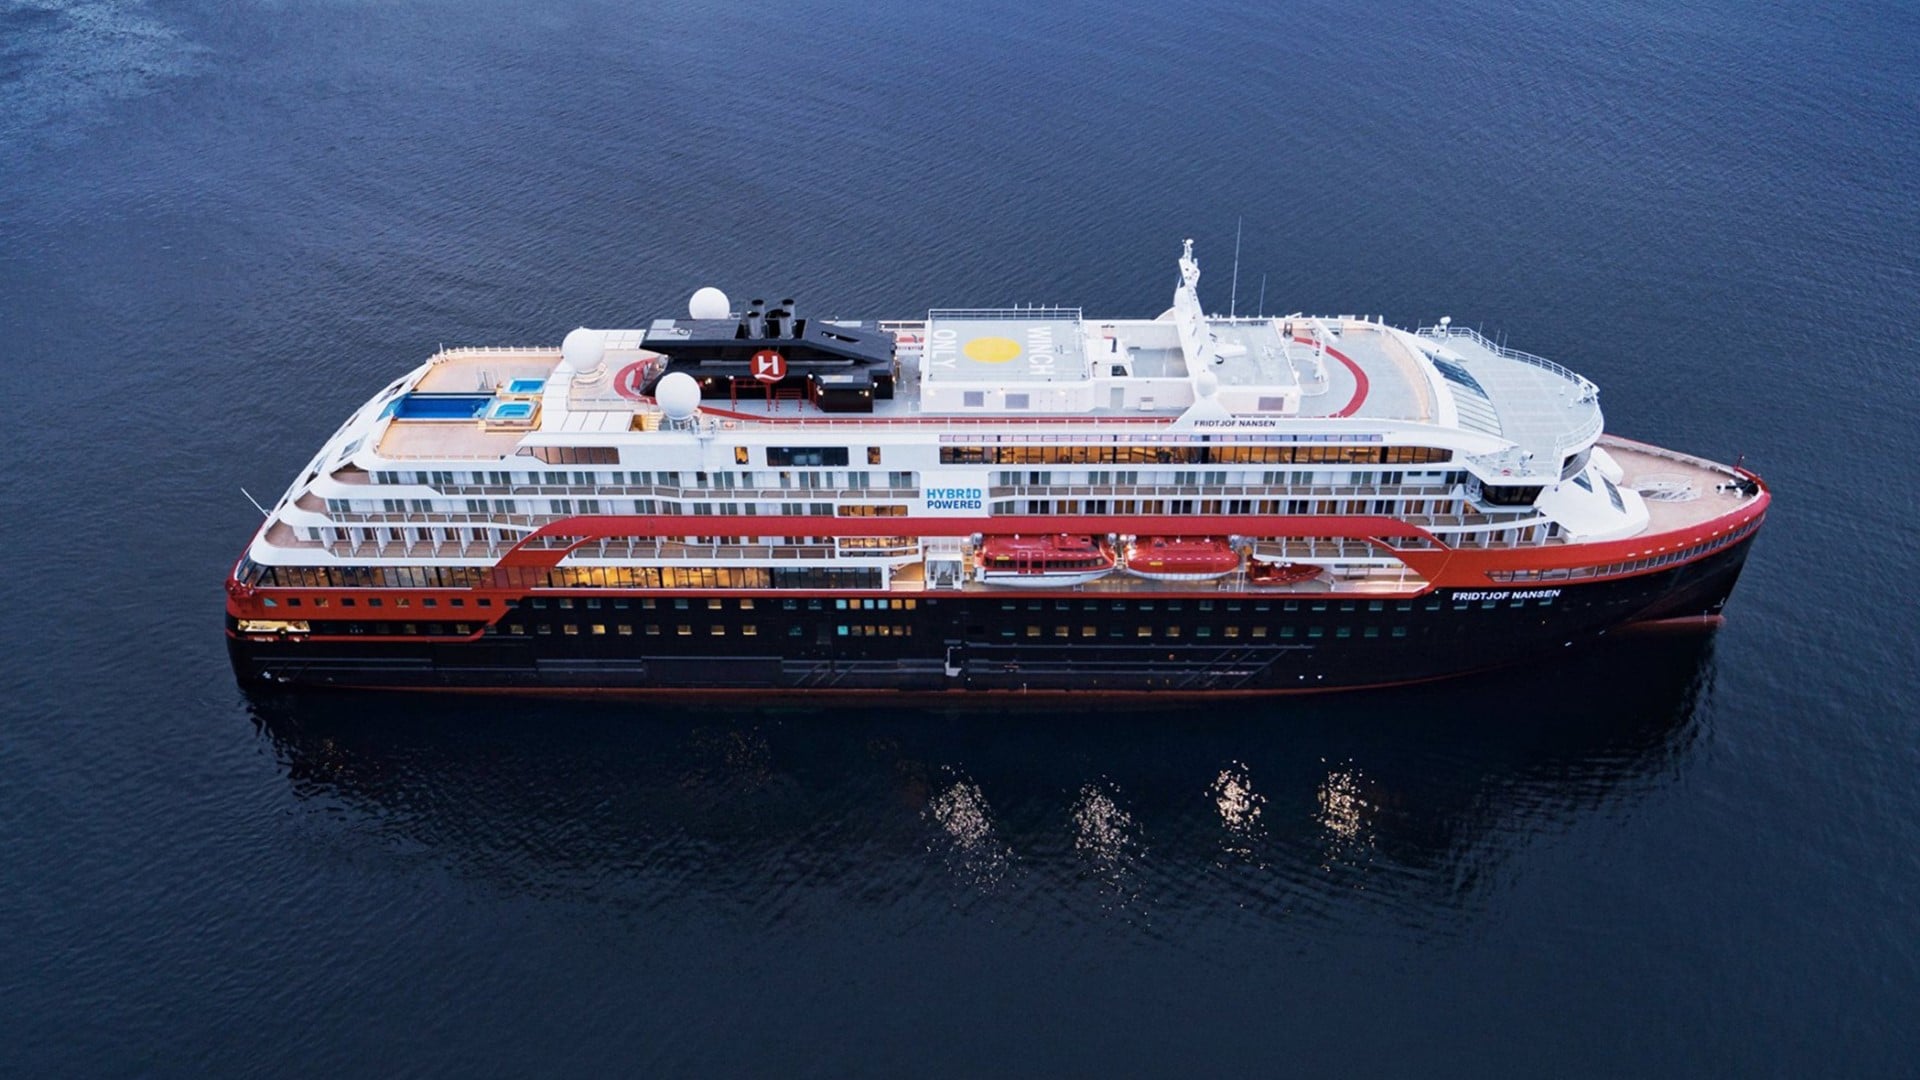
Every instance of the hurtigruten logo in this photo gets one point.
(955, 498)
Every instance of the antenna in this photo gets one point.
(1233, 300)
(256, 503)
(1263, 296)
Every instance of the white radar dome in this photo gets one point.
(709, 303)
(1206, 384)
(678, 395)
(582, 348)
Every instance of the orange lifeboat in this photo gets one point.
(1044, 561)
(1181, 558)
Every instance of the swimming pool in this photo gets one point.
(511, 410)
(417, 406)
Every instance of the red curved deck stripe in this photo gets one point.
(1360, 383)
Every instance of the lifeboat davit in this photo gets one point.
(1271, 574)
(1181, 558)
(1044, 561)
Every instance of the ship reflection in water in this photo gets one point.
(1312, 807)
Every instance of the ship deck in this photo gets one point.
(1682, 492)
(1346, 368)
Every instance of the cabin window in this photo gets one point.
(813, 456)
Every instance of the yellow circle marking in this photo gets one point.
(992, 350)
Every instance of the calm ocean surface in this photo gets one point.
(222, 226)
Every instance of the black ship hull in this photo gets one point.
(1004, 640)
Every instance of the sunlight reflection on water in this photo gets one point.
(1239, 806)
(974, 853)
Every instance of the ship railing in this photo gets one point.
(660, 491)
(1467, 333)
(1220, 491)
(1314, 547)
(428, 518)
(689, 554)
(388, 454)
(915, 416)
(1585, 433)
(500, 350)
(852, 497)
(1072, 313)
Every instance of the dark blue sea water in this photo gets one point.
(223, 225)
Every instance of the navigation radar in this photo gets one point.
(678, 395)
(709, 303)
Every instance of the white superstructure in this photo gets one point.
(1014, 417)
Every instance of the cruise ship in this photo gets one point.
(756, 499)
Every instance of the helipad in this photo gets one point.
(1002, 346)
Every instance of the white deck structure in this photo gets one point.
(1022, 414)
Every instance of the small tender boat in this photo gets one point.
(1181, 558)
(1267, 573)
(1044, 561)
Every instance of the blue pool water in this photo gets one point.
(440, 406)
(511, 410)
(526, 386)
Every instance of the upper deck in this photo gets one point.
(1520, 416)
